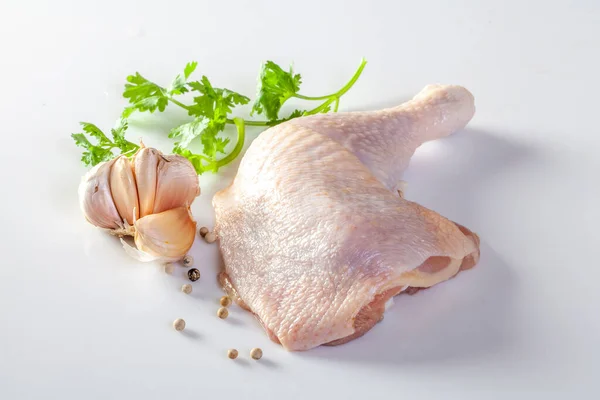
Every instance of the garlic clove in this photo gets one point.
(176, 183)
(95, 197)
(167, 235)
(144, 169)
(124, 191)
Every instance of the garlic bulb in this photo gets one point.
(148, 198)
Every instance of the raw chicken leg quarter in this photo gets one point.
(314, 234)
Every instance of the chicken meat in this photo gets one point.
(315, 234)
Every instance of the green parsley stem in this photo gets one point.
(177, 102)
(241, 129)
(249, 123)
(352, 81)
(337, 104)
(300, 96)
(320, 108)
(344, 89)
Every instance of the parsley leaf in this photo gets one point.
(276, 86)
(220, 144)
(188, 132)
(214, 103)
(211, 109)
(143, 95)
(118, 133)
(294, 114)
(197, 160)
(208, 139)
(93, 154)
(102, 150)
(178, 86)
(207, 130)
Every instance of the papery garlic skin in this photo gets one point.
(95, 197)
(145, 164)
(176, 183)
(168, 235)
(124, 190)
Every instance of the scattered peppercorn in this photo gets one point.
(232, 353)
(210, 237)
(193, 274)
(225, 301)
(222, 313)
(256, 353)
(179, 324)
(203, 231)
(188, 261)
(169, 268)
(187, 288)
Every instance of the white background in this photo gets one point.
(81, 320)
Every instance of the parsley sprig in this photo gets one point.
(211, 110)
(102, 150)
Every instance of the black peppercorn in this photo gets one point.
(193, 274)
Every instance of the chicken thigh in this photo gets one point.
(314, 235)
